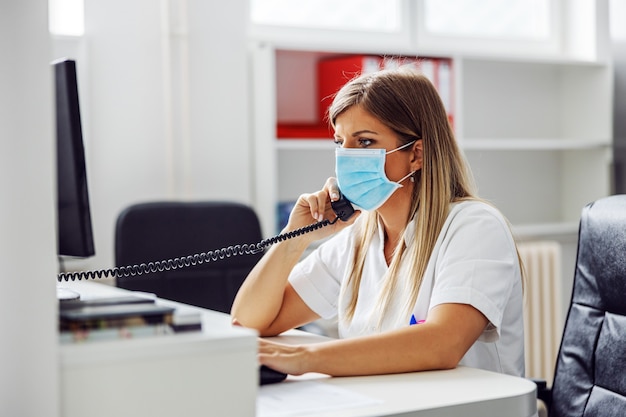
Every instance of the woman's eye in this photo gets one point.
(364, 143)
(338, 142)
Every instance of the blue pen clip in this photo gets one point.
(415, 321)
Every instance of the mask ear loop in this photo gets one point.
(410, 174)
(406, 145)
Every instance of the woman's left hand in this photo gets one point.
(290, 359)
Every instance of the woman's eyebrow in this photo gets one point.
(360, 132)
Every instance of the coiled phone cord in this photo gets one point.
(191, 260)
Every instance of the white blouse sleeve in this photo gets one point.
(317, 278)
(477, 264)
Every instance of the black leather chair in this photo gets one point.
(590, 374)
(157, 231)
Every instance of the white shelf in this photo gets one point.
(538, 59)
(566, 230)
(360, 48)
(305, 144)
(538, 144)
(473, 144)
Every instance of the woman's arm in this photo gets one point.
(439, 343)
(266, 301)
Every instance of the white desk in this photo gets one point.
(216, 371)
(462, 392)
(212, 372)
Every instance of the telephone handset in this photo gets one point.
(343, 210)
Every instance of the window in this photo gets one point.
(617, 12)
(501, 19)
(506, 27)
(370, 15)
(343, 24)
(66, 17)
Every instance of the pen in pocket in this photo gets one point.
(415, 321)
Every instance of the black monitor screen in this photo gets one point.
(74, 230)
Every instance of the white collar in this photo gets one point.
(409, 232)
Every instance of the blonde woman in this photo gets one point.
(424, 276)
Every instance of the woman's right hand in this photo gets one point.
(266, 301)
(316, 207)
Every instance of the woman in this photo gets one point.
(425, 277)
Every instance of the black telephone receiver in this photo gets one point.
(343, 210)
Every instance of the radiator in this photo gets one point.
(543, 321)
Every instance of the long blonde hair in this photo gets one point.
(408, 103)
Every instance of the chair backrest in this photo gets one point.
(163, 230)
(590, 374)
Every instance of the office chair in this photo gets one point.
(162, 230)
(590, 373)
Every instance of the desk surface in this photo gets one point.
(462, 392)
(459, 392)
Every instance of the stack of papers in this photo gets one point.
(297, 398)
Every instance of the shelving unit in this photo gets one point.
(536, 132)
(537, 135)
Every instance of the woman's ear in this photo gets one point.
(416, 156)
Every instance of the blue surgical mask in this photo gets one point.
(361, 176)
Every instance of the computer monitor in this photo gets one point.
(74, 229)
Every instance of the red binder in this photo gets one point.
(333, 73)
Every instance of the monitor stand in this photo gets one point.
(65, 294)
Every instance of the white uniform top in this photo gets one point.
(474, 262)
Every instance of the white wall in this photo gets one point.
(124, 111)
(219, 100)
(165, 106)
(28, 351)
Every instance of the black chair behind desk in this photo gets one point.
(590, 374)
(163, 230)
